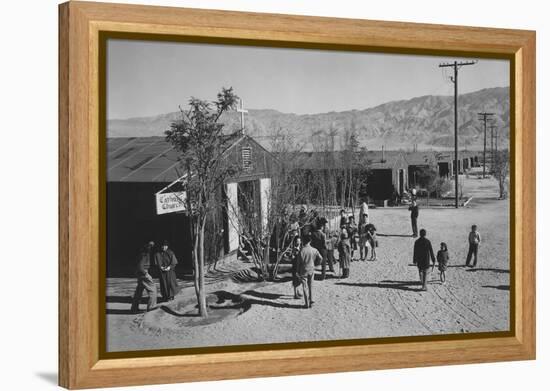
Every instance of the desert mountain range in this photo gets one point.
(426, 121)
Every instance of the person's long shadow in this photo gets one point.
(124, 299)
(117, 311)
(264, 295)
(387, 284)
(172, 312)
(244, 303)
(488, 270)
(283, 279)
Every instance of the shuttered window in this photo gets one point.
(246, 157)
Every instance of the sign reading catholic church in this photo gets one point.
(170, 202)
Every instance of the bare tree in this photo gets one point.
(427, 178)
(355, 168)
(288, 191)
(199, 138)
(502, 171)
(269, 237)
(441, 185)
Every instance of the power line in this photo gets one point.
(483, 117)
(456, 65)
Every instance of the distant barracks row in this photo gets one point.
(138, 168)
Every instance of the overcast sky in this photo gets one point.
(151, 78)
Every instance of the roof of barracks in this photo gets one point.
(153, 159)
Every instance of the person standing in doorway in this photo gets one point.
(305, 269)
(423, 253)
(144, 279)
(474, 239)
(414, 217)
(166, 262)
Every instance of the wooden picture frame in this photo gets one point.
(81, 25)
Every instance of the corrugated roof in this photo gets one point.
(420, 158)
(147, 159)
(141, 159)
(450, 155)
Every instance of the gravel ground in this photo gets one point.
(380, 299)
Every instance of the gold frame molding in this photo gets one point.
(83, 29)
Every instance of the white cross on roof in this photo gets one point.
(242, 110)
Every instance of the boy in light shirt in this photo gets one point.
(474, 239)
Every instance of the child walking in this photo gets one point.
(442, 261)
(294, 251)
(344, 255)
(353, 238)
(371, 237)
(363, 241)
(331, 242)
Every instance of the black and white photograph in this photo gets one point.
(271, 195)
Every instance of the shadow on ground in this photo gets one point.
(118, 311)
(246, 300)
(488, 270)
(387, 284)
(395, 235)
(222, 305)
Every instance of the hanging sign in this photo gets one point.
(171, 202)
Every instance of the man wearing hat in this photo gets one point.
(166, 262)
(144, 279)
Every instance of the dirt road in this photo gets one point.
(380, 299)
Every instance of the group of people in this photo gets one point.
(164, 262)
(354, 241)
(423, 255)
(423, 251)
(361, 237)
(311, 247)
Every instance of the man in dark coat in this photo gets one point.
(144, 279)
(166, 262)
(423, 253)
(414, 216)
(319, 242)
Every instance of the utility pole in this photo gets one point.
(456, 65)
(493, 145)
(496, 140)
(483, 117)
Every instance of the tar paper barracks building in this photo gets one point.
(142, 179)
